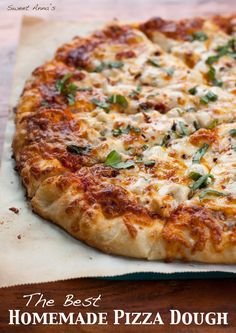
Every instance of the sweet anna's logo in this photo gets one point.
(34, 7)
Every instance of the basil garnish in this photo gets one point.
(211, 74)
(193, 90)
(199, 154)
(78, 150)
(183, 129)
(150, 163)
(201, 182)
(209, 97)
(194, 175)
(170, 71)
(227, 49)
(199, 35)
(213, 124)
(110, 64)
(99, 103)
(135, 92)
(118, 99)
(209, 191)
(232, 132)
(153, 62)
(126, 130)
(67, 89)
(115, 64)
(113, 160)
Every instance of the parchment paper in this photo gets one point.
(32, 249)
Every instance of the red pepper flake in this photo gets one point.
(14, 210)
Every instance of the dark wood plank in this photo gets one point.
(130, 296)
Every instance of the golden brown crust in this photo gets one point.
(180, 30)
(124, 90)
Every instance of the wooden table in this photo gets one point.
(186, 295)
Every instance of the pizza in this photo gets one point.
(127, 139)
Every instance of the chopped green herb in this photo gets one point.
(199, 35)
(113, 160)
(118, 99)
(183, 129)
(100, 68)
(136, 129)
(234, 147)
(115, 64)
(193, 90)
(78, 150)
(191, 109)
(204, 100)
(201, 182)
(213, 124)
(149, 163)
(166, 140)
(67, 89)
(200, 153)
(227, 49)
(85, 88)
(209, 191)
(210, 60)
(61, 84)
(232, 132)
(196, 125)
(110, 64)
(153, 62)
(126, 130)
(44, 103)
(71, 99)
(211, 74)
(135, 92)
(145, 147)
(99, 103)
(139, 159)
(194, 175)
(170, 71)
(116, 132)
(209, 97)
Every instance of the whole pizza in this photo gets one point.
(127, 139)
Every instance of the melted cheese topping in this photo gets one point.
(168, 108)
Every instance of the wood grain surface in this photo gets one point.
(130, 296)
(185, 295)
